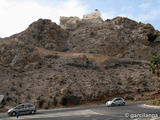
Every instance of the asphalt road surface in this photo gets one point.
(136, 111)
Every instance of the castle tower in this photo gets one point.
(95, 14)
(94, 17)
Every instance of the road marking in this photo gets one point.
(60, 114)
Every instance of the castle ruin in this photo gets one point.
(72, 23)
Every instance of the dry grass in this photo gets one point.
(7, 42)
(155, 99)
(2, 110)
(95, 57)
(154, 102)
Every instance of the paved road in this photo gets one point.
(97, 112)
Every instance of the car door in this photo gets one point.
(117, 101)
(120, 101)
(29, 108)
(20, 109)
(26, 109)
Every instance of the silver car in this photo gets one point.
(116, 102)
(22, 109)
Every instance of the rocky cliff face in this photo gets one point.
(51, 66)
(118, 37)
(45, 34)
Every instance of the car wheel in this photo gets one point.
(13, 114)
(123, 103)
(112, 104)
(33, 112)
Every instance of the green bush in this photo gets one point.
(55, 101)
(64, 101)
(40, 103)
(155, 65)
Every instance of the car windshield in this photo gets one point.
(116, 99)
(29, 105)
(20, 107)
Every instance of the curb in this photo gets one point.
(151, 106)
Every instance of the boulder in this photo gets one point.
(69, 23)
(45, 34)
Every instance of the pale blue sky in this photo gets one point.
(16, 15)
(147, 11)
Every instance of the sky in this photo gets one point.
(17, 15)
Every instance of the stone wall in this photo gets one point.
(93, 15)
(71, 23)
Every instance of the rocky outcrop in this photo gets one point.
(79, 62)
(117, 37)
(17, 54)
(45, 34)
(70, 23)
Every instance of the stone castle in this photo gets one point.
(93, 15)
(72, 23)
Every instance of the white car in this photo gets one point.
(116, 102)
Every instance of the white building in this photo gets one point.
(93, 15)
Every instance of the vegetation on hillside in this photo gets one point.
(155, 102)
(155, 65)
(155, 69)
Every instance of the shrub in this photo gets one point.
(52, 56)
(20, 85)
(47, 106)
(13, 89)
(9, 99)
(158, 83)
(74, 100)
(155, 65)
(92, 34)
(64, 101)
(55, 101)
(40, 103)
(38, 98)
(119, 83)
(28, 96)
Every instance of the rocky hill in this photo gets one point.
(78, 62)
